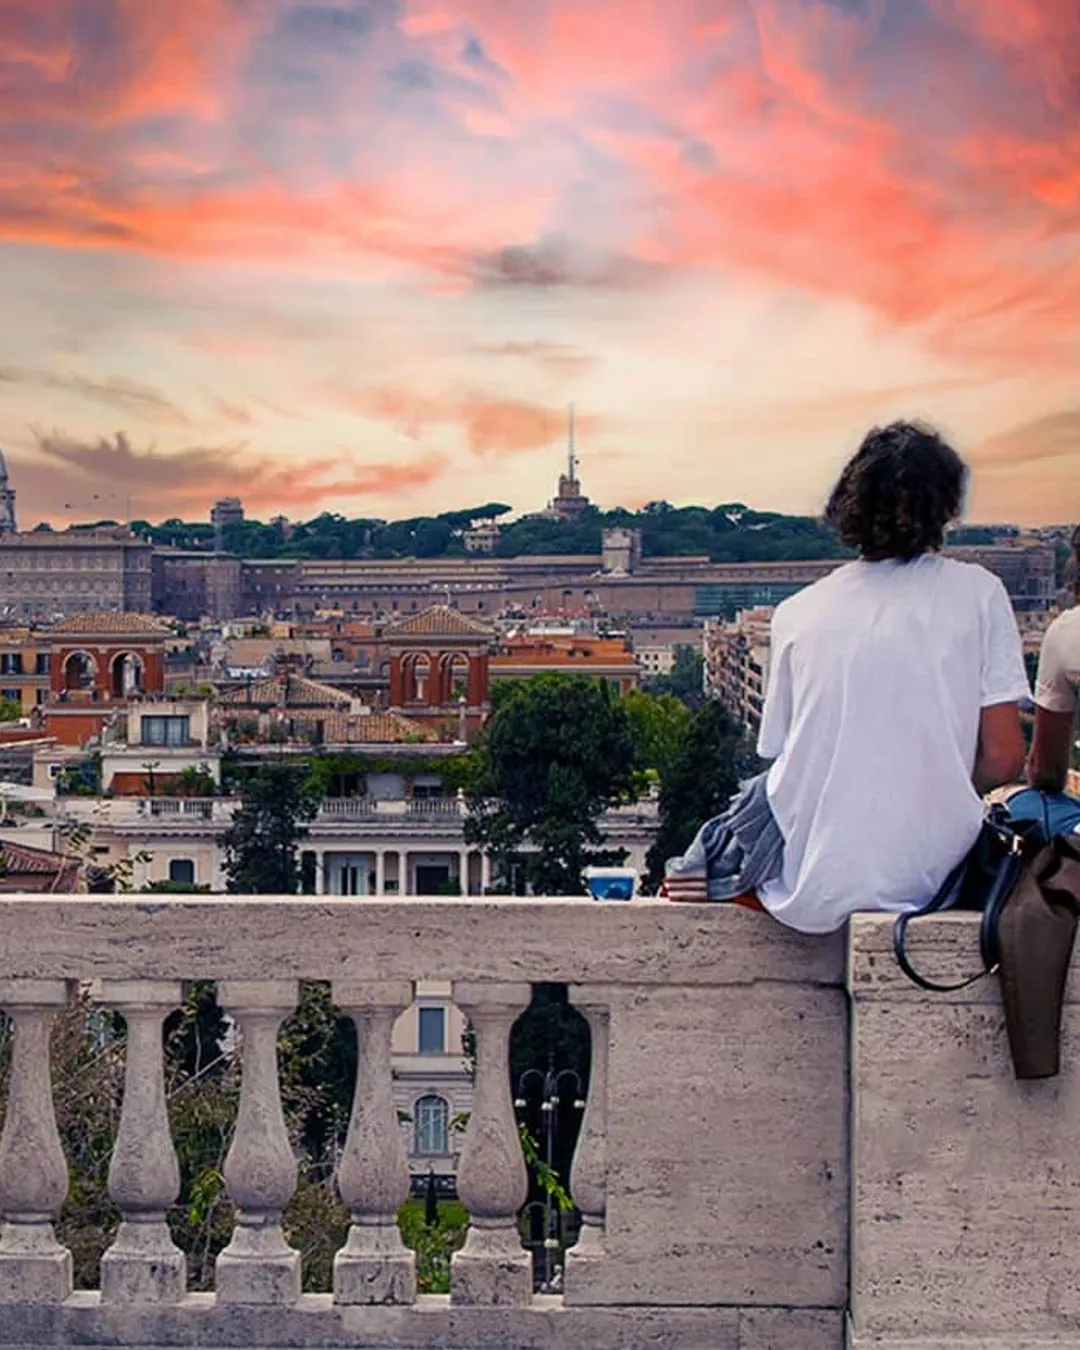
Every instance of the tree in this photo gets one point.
(557, 751)
(704, 776)
(686, 681)
(261, 844)
(10, 710)
(659, 723)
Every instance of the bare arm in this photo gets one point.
(1000, 756)
(1048, 765)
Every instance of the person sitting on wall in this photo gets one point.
(892, 707)
(1057, 687)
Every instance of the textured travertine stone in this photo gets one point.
(492, 1267)
(588, 1175)
(34, 1267)
(966, 1183)
(258, 1265)
(374, 1266)
(143, 1265)
(574, 941)
(727, 1148)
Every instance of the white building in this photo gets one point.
(737, 664)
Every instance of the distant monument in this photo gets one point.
(225, 511)
(7, 500)
(570, 501)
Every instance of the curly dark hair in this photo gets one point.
(898, 492)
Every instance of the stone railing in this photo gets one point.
(759, 1168)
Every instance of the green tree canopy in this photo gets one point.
(261, 843)
(659, 724)
(686, 681)
(704, 775)
(556, 752)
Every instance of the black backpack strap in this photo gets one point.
(948, 895)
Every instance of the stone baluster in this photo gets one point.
(258, 1265)
(34, 1267)
(143, 1265)
(374, 1266)
(588, 1174)
(492, 1267)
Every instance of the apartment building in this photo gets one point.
(737, 664)
(25, 655)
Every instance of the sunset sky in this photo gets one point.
(359, 255)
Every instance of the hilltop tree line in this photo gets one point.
(728, 533)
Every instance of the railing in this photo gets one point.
(119, 812)
(753, 1116)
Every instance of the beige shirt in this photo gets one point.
(1058, 684)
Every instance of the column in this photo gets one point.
(34, 1267)
(588, 1174)
(258, 1265)
(485, 873)
(463, 870)
(380, 872)
(143, 1265)
(374, 1266)
(492, 1267)
(320, 872)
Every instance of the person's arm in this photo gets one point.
(1000, 756)
(1048, 766)
(1001, 750)
(1055, 711)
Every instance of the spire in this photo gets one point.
(572, 461)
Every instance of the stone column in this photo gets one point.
(34, 1267)
(320, 872)
(485, 873)
(492, 1267)
(380, 871)
(374, 1266)
(463, 870)
(258, 1265)
(143, 1265)
(588, 1175)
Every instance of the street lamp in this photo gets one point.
(550, 1086)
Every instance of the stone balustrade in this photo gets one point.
(785, 1145)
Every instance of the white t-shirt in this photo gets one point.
(879, 673)
(1058, 683)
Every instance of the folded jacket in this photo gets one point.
(732, 853)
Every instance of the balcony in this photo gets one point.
(784, 1143)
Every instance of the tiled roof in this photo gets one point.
(385, 728)
(26, 861)
(286, 691)
(439, 621)
(111, 622)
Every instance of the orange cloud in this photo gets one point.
(65, 468)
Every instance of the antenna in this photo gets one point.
(572, 459)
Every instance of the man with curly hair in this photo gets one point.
(892, 707)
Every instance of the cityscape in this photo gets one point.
(412, 415)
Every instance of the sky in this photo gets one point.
(360, 255)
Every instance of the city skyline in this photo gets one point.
(326, 254)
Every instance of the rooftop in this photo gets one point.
(439, 621)
(111, 621)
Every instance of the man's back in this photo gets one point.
(879, 676)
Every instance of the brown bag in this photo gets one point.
(1036, 930)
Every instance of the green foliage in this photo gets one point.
(196, 782)
(434, 1244)
(659, 723)
(261, 843)
(10, 710)
(317, 1052)
(704, 776)
(328, 773)
(686, 681)
(728, 533)
(556, 752)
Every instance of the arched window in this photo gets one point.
(432, 1118)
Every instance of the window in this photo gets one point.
(12, 695)
(11, 663)
(432, 1119)
(182, 871)
(166, 730)
(42, 665)
(433, 1031)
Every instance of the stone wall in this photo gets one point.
(777, 1154)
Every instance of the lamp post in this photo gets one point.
(550, 1086)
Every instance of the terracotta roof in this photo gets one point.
(384, 728)
(286, 691)
(439, 621)
(111, 622)
(576, 653)
(25, 861)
